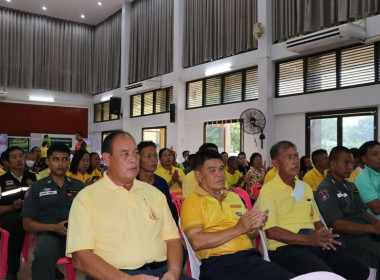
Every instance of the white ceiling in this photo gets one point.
(68, 9)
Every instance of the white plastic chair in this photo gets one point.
(319, 275)
(195, 264)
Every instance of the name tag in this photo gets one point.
(235, 206)
(47, 193)
(341, 195)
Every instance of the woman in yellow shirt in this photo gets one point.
(172, 175)
(80, 168)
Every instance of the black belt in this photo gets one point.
(148, 266)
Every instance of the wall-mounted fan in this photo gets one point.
(253, 122)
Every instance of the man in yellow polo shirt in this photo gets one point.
(120, 226)
(316, 175)
(297, 240)
(220, 229)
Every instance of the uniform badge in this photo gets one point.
(239, 214)
(9, 183)
(323, 194)
(27, 193)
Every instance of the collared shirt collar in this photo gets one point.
(50, 180)
(284, 185)
(370, 170)
(200, 191)
(111, 185)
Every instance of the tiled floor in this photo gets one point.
(25, 267)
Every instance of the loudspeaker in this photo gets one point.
(115, 105)
(172, 112)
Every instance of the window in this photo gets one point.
(223, 89)
(227, 135)
(102, 112)
(349, 128)
(346, 67)
(155, 134)
(152, 102)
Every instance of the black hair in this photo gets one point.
(34, 148)
(79, 133)
(231, 159)
(303, 167)
(242, 153)
(76, 159)
(316, 154)
(223, 153)
(144, 144)
(44, 143)
(355, 152)
(107, 143)
(336, 151)
(58, 147)
(203, 155)
(11, 149)
(282, 145)
(206, 146)
(363, 150)
(253, 156)
(191, 157)
(3, 156)
(185, 151)
(163, 150)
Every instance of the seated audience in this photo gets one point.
(175, 163)
(343, 210)
(233, 177)
(40, 162)
(190, 181)
(225, 158)
(297, 240)
(80, 168)
(46, 212)
(185, 155)
(358, 165)
(122, 227)
(95, 163)
(306, 166)
(147, 166)
(189, 167)
(219, 228)
(172, 175)
(14, 184)
(316, 175)
(368, 181)
(256, 174)
(4, 164)
(243, 164)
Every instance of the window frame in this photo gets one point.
(340, 114)
(169, 90)
(222, 91)
(225, 122)
(102, 113)
(156, 127)
(338, 67)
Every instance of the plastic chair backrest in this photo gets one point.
(245, 196)
(255, 191)
(177, 200)
(70, 270)
(4, 253)
(175, 193)
(318, 276)
(195, 264)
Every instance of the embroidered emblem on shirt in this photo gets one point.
(9, 183)
(239, 214)
(27, 192)
(47, 193)
(72, 192)
(323, 194)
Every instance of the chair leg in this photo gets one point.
(4, 253)
(25, 247)
(70, 272)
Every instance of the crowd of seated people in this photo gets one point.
(318, 215)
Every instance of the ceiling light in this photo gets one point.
(41, 98)
(8, 0)
(44, 8)
(99, 3)
(82, 16)
(218, 69)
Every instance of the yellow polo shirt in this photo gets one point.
(353, 175)
(164, 173)
(284, 211)
(201, 210)
(44, 152)
(314, 178)
(44, 173)
(190, 182)
(232, 179)
(270, 174)
(125, 228)
(85, 176)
